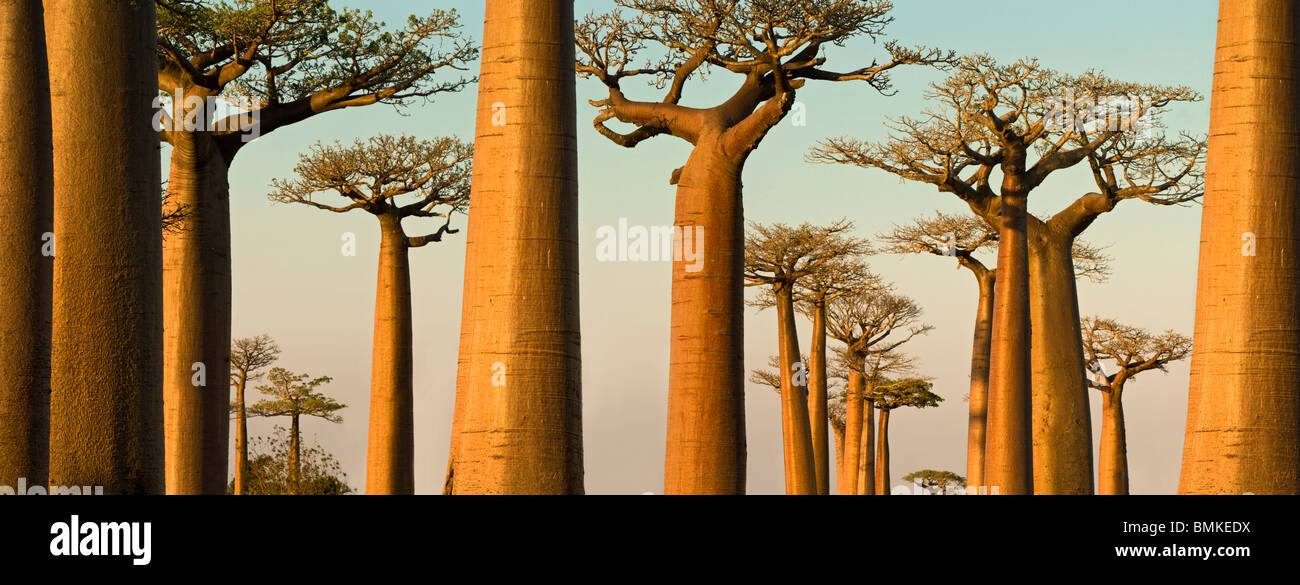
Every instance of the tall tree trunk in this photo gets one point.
(800, 469)
(1113, 467)
(241, 438)
(1243, 413)
(295, 457)
(817, 417)
(106, 404)
(196, 318)
(390, 453)
(1009, 448)
(853, 433)
(26, 217)
(882, 454)
(979, 381)
(867, 460)
(705, 451)
(518, 422)
(841, 482)
(1062, 418)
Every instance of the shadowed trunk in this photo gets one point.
(517, 427)
(853, 433)
(706, 402)
(295, 457)
(817, 417)
(1113, 466)
(882, 455)
(841, 482)
(867, 459)
(390, 452)
(106, 404)
(196, 318)
(800, 470)
(26, 217)
(241, 438)
(979, 380)
(1243, 412)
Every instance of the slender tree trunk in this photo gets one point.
(817, 416)
(841, 482)
(196, 318)
(106, 404)
(295, 457)
(867, 460)
(26, 227)
(882, 455)
(518, 422)
(241, 438)
(1009, 448)
(1062, 418)
(706, 403)
(853, 433)
(800, 469)
(390, 453)
(1243, 413)
(979, 381)
(1113, 466)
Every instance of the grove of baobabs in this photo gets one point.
(178, 319)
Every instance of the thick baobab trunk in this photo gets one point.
(706, 403)
(196, 319)
(26, 228)
(979, 381)
(853, 433)
(800, 469)
(1243, 413)
(106, 404)
(241, 439)
(841, 482)
(1113, 458)
(1009, 448)
(817, 417)
(1062, 419)
(390, 452)
(518, 422)
(295, 457)
(882, 454)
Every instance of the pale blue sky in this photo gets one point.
(292, 282)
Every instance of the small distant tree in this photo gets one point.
(888, 396)
(268, 471)
(295, 396)
(937, 482)
(248, 357)
(1131, 351)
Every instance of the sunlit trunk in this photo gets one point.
(853, 433)
(106, 378)
(800, 470)
(518, 422)
(1112, 476)
(1243, 413)
(817, 417)
(26, 227)
(882, 454)
(979, 380)
(841, 482)
(390, 452)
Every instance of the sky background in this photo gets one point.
(291, 280)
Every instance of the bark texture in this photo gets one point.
(1243, 413)
(106, 376)
(26, 217)
(979, 380)
(1112, 475)
(882, 454)
(1009, 448)
(517, 426)
(800, 469)
(390, 451)
(853, 431)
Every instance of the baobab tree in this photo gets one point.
(248, 357)
(776, 52)
(888, 396)
(26, 231)
(868, 324)
(106, 349)
(517, 426)
(295, 396)
(272, 63)
(1130, 351)
(1243, 409)
(1023, 123)
(963, 237)
(778, 257)
(392, 178)
(937, 482)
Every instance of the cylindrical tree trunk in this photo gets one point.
(867, 459)
(241, 439)
(979, 381)
(705, 451)
(295, 456)
(196, 318)
(882, 454)
(800, 469)
(26, 228)
(853, 433)
(1243, 413)
(1062, 418)
(1008, 458)
(841, 482)
(518, 423)
(390, 452)
(1112, 476)
(106, 377)
(817, 417)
